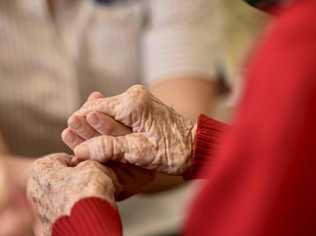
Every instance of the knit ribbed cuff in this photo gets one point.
(89, 217)
(207, 136)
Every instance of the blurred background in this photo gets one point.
(53, 53)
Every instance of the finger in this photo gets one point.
(70, 138)
(133, 148)
(92, 98)
(123, 108)
(95, 95)
(105, 125)
(75, 161)
(81, 127)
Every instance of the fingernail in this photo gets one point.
(68, 136)
(82, 151)
(93, 119)
(74, 122)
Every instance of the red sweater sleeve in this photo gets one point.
(207, 137)
(89, 217)
(262, 181)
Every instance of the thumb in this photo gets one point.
(133, 148)
(95, 95)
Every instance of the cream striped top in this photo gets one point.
(50, 62)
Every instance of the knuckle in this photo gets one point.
(136, 88)
(136, 91)
(98, 151)
(137, 97)
(95, 94)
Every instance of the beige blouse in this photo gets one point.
(50, 62)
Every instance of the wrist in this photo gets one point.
(68, 207)
(104, 190)
(193, 134)
(192, 143)
(207, 136)
(189, 152)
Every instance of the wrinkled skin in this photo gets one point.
(133, 179)
(55, 186)
(162, 140)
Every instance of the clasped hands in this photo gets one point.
(118, 143)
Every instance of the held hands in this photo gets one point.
(150, 135)
(81, 128)
(161, 139)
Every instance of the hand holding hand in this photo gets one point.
(161, 140)
(133, 179)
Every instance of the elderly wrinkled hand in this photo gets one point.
(161, 138)
(132, 178)
(55, 186)
(81, 128)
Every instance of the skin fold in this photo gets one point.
(150, 145)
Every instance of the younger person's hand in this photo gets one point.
(16, 216)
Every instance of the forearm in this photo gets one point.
(190, 96)
(20, 169)
(13, 166)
